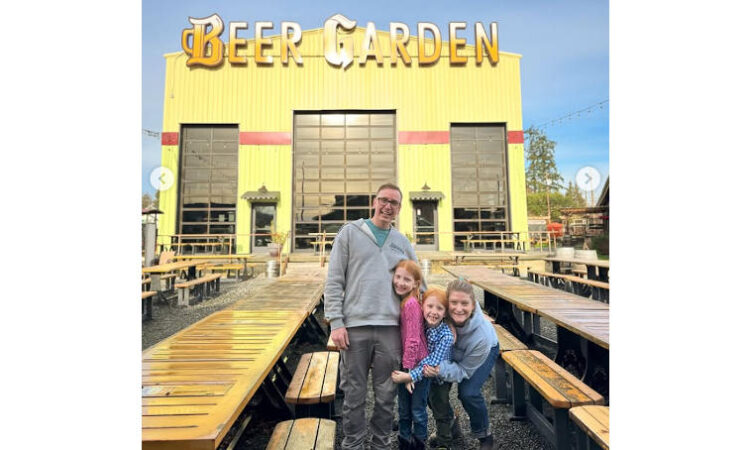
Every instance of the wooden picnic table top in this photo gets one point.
(196, 382)
(169, 267)
(284, 294)
(214, 257)
(582, 316)
(588, 262)
(490, 255)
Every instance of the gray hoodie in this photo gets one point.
(359, 288)
(473, 343)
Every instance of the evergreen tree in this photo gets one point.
(575, 196)
(541, 168)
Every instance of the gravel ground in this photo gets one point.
(507, 435)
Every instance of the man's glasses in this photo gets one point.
(384, 201)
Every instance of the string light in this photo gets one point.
(154, 134)
(571, 115)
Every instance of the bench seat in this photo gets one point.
(600, 291)
(205, 285)
(593, 426)
(508, 343)
(550, 382)
(313, 386)
(306, 434)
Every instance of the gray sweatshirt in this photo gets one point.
(473, 343)
(359, 288)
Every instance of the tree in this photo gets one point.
(575, 196)
(146, 201)
(541, 169)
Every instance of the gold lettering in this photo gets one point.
(482, 41)
(261, 42)
(207, 49)
(289, 44)
(456, 43)
(370, 46)
(338, 53)
(235, 43)
(398, 44)
(438, 45)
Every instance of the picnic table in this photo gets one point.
(595, 269)
(582, 324)
(240, 258)
(470, 243)
(460, 257)
(196, 383)
(156, 272)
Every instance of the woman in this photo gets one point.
(474, 355)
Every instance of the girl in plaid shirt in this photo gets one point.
(439, 345)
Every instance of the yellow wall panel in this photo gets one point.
(425, 98)
(420, 164)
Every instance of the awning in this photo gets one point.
(261, 196)
(426, 195)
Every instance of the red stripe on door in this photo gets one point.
(424, 137)
(265, 138)
(515, 137)
(169, 138)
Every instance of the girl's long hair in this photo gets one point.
(413, 269)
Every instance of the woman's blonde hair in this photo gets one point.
(413, 269)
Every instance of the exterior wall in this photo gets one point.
(263, 99)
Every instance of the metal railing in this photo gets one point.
(526, 241)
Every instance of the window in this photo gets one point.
(208, 181)
(340, 158)
(479, 181)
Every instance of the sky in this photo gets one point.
(564, 68)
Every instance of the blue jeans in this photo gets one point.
(470, 394)
(412, 410)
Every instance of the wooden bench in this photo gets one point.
(228, 268)
(303, 434)
(593, 426)
(203, 286)
(330, 346)
(313, 386)
(599, 291)
(508, 343)
(550, 382)
(147, 304)
(170, 280)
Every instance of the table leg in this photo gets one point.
(603, 274)
(556, 267)
(591, 272)
(571, 352)
(596, 375)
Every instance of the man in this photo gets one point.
(364, 312)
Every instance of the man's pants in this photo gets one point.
(378, 347)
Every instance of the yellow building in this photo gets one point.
(302, 148)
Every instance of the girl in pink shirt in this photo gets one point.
(406, 281)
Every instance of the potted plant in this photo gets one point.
(410, 237)
(277, 243)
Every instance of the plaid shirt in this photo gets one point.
(439, 348)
